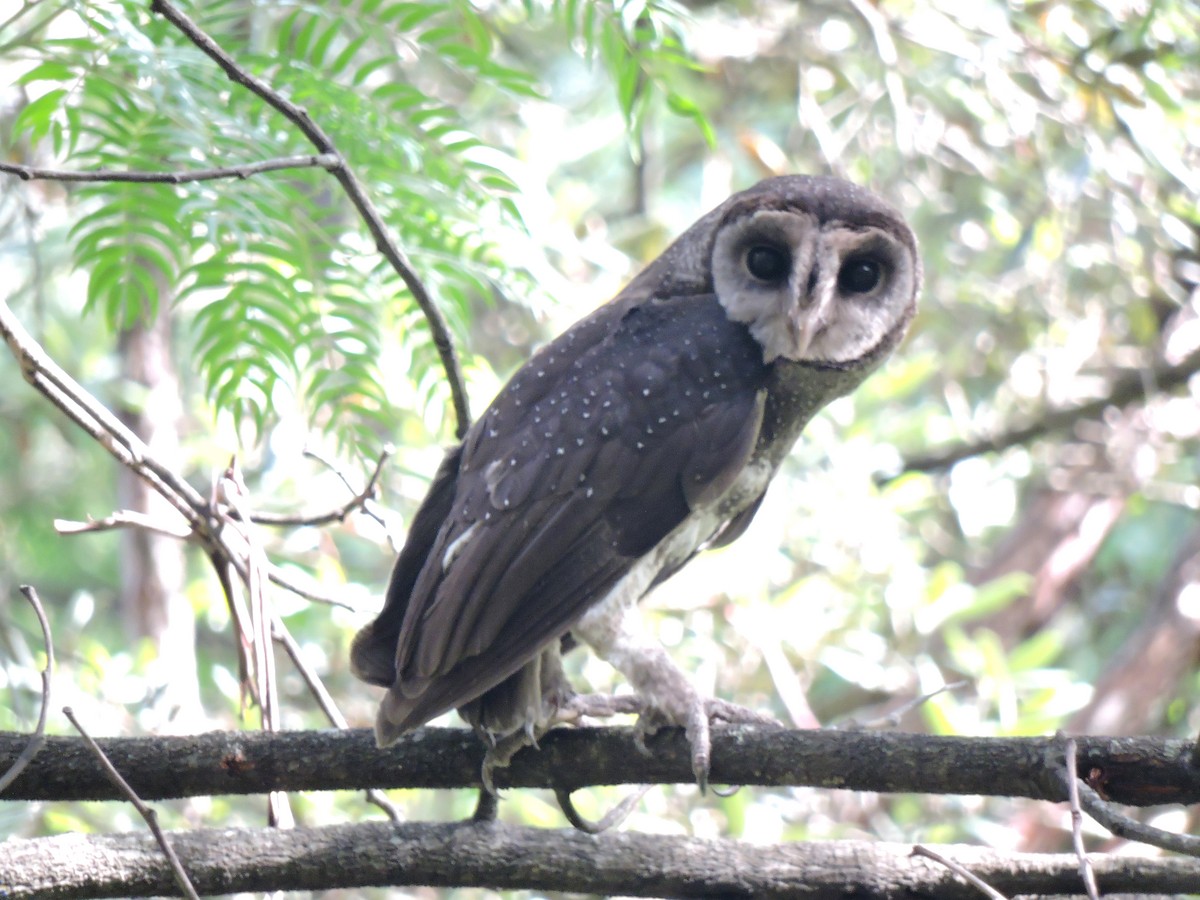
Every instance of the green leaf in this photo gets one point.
(34, 120)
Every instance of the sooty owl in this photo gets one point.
(644, 434)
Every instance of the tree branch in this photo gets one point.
(498, 856)
(1134, 771)
(1130, 385)
(328, 161)
(438, 326)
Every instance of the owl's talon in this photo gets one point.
(500, 753)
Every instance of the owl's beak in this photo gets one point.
(806, 320)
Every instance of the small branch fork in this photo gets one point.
(1084, 797)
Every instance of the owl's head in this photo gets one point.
(820, 270)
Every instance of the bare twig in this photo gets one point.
(360, 500)
(124, 518)
(280, 633)
(1085, 866)
(38, 738)
(960, 870)
(92, 416)
(328, 161)
(892, 719)
(438, 326)
(147, 813)
(1128, 386)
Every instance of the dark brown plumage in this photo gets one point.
(644, 433)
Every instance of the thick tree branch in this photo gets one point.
(399, 261)
(1134, 771)
(512, 857)
(1126, 388)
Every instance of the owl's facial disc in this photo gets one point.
(811, 291)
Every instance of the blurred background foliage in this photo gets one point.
(530, 157)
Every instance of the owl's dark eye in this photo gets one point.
(769, 264)
(859, 275)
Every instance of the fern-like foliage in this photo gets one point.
(275, 275)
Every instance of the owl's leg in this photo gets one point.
(518, 711)
(615, 632)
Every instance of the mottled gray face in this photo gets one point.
(812, 291)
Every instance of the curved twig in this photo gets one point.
(38, 738)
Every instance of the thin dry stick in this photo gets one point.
(280, 633)
(30, 173)
(125, 518)
(959, 870)
(232, 492)
(38, 738)
(438, 326)
(105, 428)
(1085, 865)
(360, 500)
(892, 719)
(151, 817)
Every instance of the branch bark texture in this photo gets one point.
(1132, 771)
(221, 861)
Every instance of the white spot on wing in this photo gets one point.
(456, 546)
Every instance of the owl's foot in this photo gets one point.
(568, 707)
(696, 714)
(599, 706)
(500, 752)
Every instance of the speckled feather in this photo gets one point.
(583, 463)
(608, 460)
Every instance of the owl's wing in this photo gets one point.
(595, 451)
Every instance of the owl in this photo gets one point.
(646, 433)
